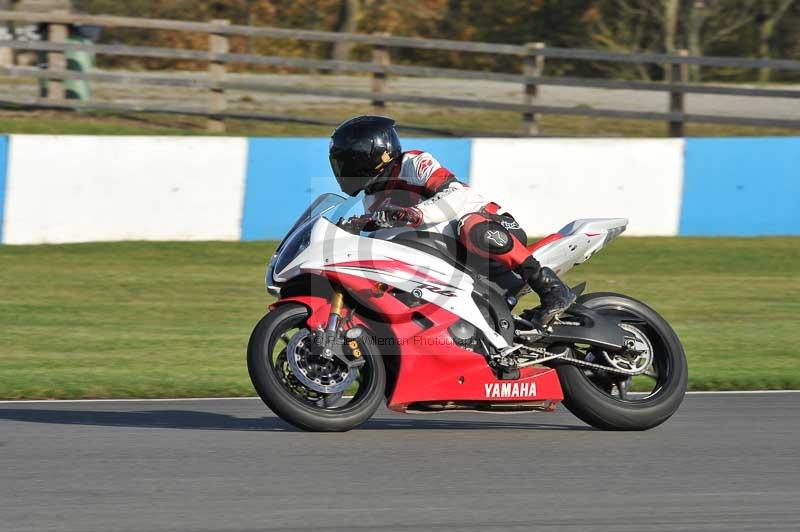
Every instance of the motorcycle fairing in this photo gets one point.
(455, 378)
(332, 251)
(432, 368)
(576, 242)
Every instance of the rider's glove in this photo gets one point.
(391, 216)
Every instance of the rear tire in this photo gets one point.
(597, 407)
(287, 405)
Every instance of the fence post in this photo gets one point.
(7, 28)
(217, 44)
(533, 65)
(56, 33)
(678, 74)
(381, 57)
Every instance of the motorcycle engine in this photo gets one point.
(464, 334)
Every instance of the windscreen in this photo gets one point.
(330, 206)
(350, 207)
(319, 206)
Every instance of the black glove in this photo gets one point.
(391, 216)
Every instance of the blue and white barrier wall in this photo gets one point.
(56, 189)
(741, 186)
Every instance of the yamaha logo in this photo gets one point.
(508, 389)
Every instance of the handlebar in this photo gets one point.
(354, 224)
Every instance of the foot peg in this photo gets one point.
(527, 330)
(555, 298)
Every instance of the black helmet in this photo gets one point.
(361, 150)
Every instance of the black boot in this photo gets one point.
(555, 296)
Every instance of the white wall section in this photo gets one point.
(79, 189)
(546, 183)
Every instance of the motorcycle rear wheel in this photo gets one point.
(282, 397)
(589, 395)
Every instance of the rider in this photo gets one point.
(412, 188)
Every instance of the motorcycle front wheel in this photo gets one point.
(288, 397)
(615, 402)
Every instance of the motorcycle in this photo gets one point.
(410, 318)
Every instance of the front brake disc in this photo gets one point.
(314, 371)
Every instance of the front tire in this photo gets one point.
(589, 399)
(285, 400)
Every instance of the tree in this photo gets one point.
(626, 26)
(671, 11)
(348, 23)
(770, 14)
(713, 21)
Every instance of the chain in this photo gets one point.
(592, 365)
(547, 356)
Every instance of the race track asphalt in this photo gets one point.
(723, 462)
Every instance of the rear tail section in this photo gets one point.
(576, 242)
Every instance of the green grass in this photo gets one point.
(172, 319)
(467, 121)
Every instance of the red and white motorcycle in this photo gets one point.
(410, 318)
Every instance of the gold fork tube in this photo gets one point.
(337, 302)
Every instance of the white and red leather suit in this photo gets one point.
(441, 203)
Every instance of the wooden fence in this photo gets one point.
(215, 81)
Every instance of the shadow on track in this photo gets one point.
(191, 419)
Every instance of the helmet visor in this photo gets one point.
(352, 177)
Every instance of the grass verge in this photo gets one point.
(469, 122)
(140, 319)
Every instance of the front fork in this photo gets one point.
(334, 337)
(335, 316)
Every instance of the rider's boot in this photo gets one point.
(555, 297)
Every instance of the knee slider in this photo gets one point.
(491, 237)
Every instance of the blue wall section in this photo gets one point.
(3, 172)
(284, 175)
(744, 186)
